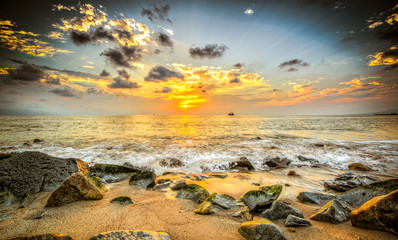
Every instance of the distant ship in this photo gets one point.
(231, 114)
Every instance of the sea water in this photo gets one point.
(206, 143)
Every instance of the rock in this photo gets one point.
(201, 177)
(333, 212)
(360, 195)
(242, 163)
(306, 159)
(38, 141)
(225, 201)
(178, 185)
(5, 155)
(111, 173)
(277, 162)
(380, 213)
(359, 167)
(294, 221)
(7, 198)
(35, 172)
(291, 229)
(256, 200)
(261, 229)
(39, 216)
(161, 186)
(219, 175)
(244, 213)
(27, 200)
(143, 179)
(288, 201)
(28, 144)
(291, 173)
(160, 181)
(206, 207)
(347, 181)
(131, 235)
(280, 210)
(193, 192)
(170, 162)
(48, 236)
(96, 181)
(314, 197)
(319, 145)
(76, 188)
(122, 200)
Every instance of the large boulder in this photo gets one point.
(193, 192)
(111, 173)
(143, 179)
(360, 195)
(277, 162)
(380, 213)
(241, 163)
(332, 212)
(216, 200)
(257, 200)
(280, 210)
(33, 172)
(47, 236)
(294, 221)
(131, 235)
(347, 181)
(359, 167)
(314, 197)
(261, 229)
(76, 188)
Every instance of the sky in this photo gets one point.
(126, 57)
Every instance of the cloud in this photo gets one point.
(25, 42)
(164, 40)
(238, 66)
(235, 80)
(104, 73)
(124, 56)
(165, 90)
(101, 33)
(80, 38)
(162, 74)
(92, 90)
(154, 12)
(53, 80)
(293, 64)
(25, 73)
(248, 11)
(390, 34)
(123, 81)
(56, 35)
(66, 91)
(208, 51)
(388, 58)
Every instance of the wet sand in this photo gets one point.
(160, 211)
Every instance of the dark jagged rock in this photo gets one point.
(360, 195)
(122, 200)
(160, 181)
(314, 197)
(276, 162)
(48, 236)
(7, 198)
(96, 181)
(306, 159)
(5, 155)
(143, 179)
(256, 200)
(131, 235)
(193, 192)
(347, 181)
(162, 186)
(216, 200)
(380, 213)
(261, 229)
(206, 207)
(242, 163)
(170, 162)
(38, 141)
(280, 210)
(76, 188)
(333, 212)
(178, 185)
(111, 173)
(294, 221)
(35, 172)
(359, 167)
(27, 200)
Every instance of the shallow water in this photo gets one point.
(203, 142)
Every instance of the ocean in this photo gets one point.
(207, 143)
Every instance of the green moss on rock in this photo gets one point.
(110, 169)
(123, 200)
(96, 181)
(142, 175)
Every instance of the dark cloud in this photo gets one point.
(80, 38)
(104, 73)
(154, 12)
(162, 74)
(208, 51)
(390, 54)
(123, 81)
(293, 64)
(124, 56)
(238, 66)
(53, 81)
(101, 33)
(66, 91)
(390, 34)
(164, 40)
(25, 73)
(165, 90)
(92, 90)
(235, 80)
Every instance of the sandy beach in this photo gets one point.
(161, 211)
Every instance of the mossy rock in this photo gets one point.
(257, 200)
(206, 207)
(194, 192)
(143, 179)
(332, 212)
(261, 229)
(122, 200)
(96, 181)
(104, 169)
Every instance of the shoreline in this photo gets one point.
(159, 210)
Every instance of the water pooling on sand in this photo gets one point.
(203, 142)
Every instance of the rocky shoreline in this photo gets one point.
(45, 197)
